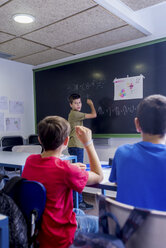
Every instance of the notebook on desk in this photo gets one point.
(104, 166)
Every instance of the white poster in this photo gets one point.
(13, 124)
(16, 107)
(1, 122)
(128, 88)
(3, 102)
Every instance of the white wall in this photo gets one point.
(106, 148)
(106, 151)
(16, 83)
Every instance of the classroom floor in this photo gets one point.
(90, 198)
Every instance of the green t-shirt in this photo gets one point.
(75, 118)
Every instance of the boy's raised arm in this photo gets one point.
(95, 173)
(93, 110)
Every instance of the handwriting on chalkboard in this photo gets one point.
(84, 86)
(116, 110)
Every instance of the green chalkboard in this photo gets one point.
(93, 78)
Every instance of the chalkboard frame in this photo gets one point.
(134, 135)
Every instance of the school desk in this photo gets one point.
(103, 186)
(17, 159)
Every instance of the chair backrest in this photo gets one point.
(151, 233)
(31, 196)
(7, 142)
(33, 139)
(35, 149)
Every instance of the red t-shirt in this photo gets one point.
(59, 178)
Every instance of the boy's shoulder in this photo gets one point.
(76, 114)
(127, 148)
(33, 157)
(139, 147)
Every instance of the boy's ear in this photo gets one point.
(137, 125)
(66, 141)
(70, 105)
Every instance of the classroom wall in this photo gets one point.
(16, 87)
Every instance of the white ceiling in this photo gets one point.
(66, 28)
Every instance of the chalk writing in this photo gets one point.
(84, 86)
(116, 110)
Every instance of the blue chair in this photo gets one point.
(30, 196)
(4, 231)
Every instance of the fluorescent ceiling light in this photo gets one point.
(23, 18)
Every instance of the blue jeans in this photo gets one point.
(79, 152)
(86, 223)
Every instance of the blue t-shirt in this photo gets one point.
(140, 173)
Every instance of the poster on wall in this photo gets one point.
(128, 88)
(13, 124)
(16, 107)
(1, 122)
(3, 102)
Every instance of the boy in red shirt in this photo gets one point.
(60, 178)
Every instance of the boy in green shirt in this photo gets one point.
(75, 147)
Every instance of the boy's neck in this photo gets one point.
(52, 153)
(155, 139)
(75, 110)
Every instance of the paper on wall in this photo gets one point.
(1, 122)
(128, 88)
(16, 107)
(3, 102)
(13, 124)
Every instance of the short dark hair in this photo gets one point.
(53, 131)
(151, 113)
(73, 97)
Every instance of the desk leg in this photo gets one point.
(77, 201)
(103, 192)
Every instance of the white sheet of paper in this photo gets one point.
(1, 121)
(16, 107)
(128, 88)
(13, 124)
(3, 102)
